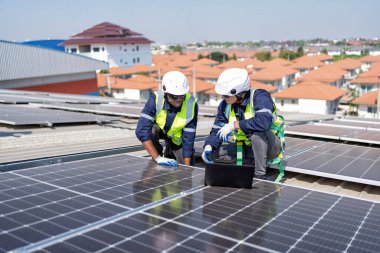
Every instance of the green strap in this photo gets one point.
(281, 173)
(239, 153)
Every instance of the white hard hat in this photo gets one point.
(174, 82)
(232, 81)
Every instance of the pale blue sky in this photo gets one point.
(185, 21)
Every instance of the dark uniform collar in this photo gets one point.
(245, 99)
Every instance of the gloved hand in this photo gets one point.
(206, 154)
(225, 131)
(166, 161)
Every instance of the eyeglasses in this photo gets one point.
(176, 97)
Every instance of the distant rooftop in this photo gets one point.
(49, 44)
(106, 33)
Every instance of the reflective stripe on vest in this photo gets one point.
(181, 119)
(277, 127)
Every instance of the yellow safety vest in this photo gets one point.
(181, 119)
(277, 127)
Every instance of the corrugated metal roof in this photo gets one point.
(23, 61)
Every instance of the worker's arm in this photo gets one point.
(263, 114)
(149, 147)
(220, 120)
(146, 120)
(188, 138)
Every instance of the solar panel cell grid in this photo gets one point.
(352, 162)
(267, 218)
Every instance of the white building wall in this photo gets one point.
(214, 100)
(363, 112)
(118, 55)
(127, 55)
(302, 105)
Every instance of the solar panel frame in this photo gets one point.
(64, 197)
(127, 110)
(335, 133)
(268, 218)
(235, 220)
(346, 162)
(24, 115)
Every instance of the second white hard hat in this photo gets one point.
(232, 81)
(176, 83)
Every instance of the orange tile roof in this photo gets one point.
(200, 85)
(233, 64)
(366, 80)
(370, 58)
(308, 62)
(206, 61)
(369, 98)
(203, 72)
(348, 64)
(116, 71)
(139, 82)
(273, 73)
(326, 73)
(320, 92)
(259, 85)
(311, 82)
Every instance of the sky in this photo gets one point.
(188, 21)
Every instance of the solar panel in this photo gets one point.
(358, 119)
(365, 125)
(46, 97)
(116, 110)
(124, 203)
(43, 202)
(18, 115)
(293, 145)
(269, 218)
(335, 133)
(340, 161)
(127, 110)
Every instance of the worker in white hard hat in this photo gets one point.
(170, 114)
(247, 116)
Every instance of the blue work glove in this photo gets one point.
(166, 161)
(226, 131)
(206, 154)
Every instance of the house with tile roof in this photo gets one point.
(368, 60)
(138, 87)
(364, 84)
(117, 45)
(306, 64)
(353, 67)
(329, 74)
(278, 76)
(307, 97)
(368, 104)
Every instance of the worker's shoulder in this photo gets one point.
(261, 92)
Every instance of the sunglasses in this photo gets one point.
(176, 97)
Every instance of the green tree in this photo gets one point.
(288, 55)
(234, 57)
(300, 51)
(176, 48)
(200, 56)
(365, 52)
(218, 56)
(324, 51)
(263, 56)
